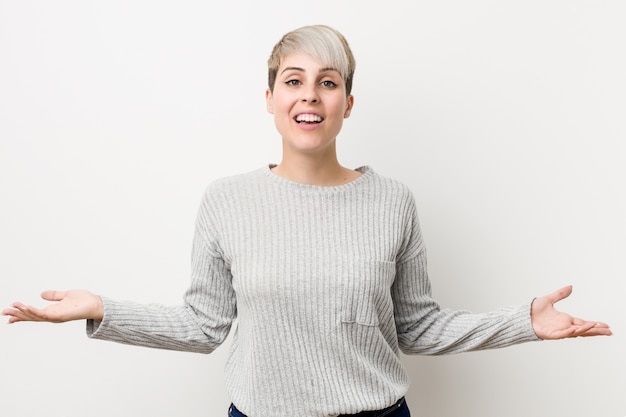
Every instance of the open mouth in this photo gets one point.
(308, 118)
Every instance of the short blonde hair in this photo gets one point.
(323, 43)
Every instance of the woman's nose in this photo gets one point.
(309, 95)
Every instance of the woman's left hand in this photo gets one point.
(550, 324)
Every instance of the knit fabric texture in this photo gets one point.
(325, 286)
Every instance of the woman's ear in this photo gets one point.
(269, 101)
(349, 106)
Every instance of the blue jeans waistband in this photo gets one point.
(399, 409)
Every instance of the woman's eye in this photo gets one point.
(292, 82)
(329, 84)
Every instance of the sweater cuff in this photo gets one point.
(530, 336)
(96, 329)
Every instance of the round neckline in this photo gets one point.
(365, 171)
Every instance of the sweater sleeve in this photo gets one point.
(423, 327)
(200, 324)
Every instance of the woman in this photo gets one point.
(323, 266)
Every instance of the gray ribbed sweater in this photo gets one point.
(326, 284)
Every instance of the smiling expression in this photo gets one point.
(309, 103)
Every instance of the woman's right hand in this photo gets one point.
(69, 305)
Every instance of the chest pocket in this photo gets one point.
(366, 296)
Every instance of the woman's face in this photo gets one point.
(309, 104)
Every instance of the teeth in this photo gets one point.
(309, 118)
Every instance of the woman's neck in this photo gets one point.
(327, 172)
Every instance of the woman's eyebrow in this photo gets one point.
(292, 69)
(327, 69)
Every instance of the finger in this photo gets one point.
(560, 294)
(51, 295)
(584, 328)
(14, 314)
(14, 319)
(599, 329)
(7, 311)
(597, 332)
(581, 322)
(19, 306)
(11, 313)
(592, 328)
(27, 313)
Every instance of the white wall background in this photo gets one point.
(507, 120)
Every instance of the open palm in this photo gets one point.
(549, 323)
(69, 305)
